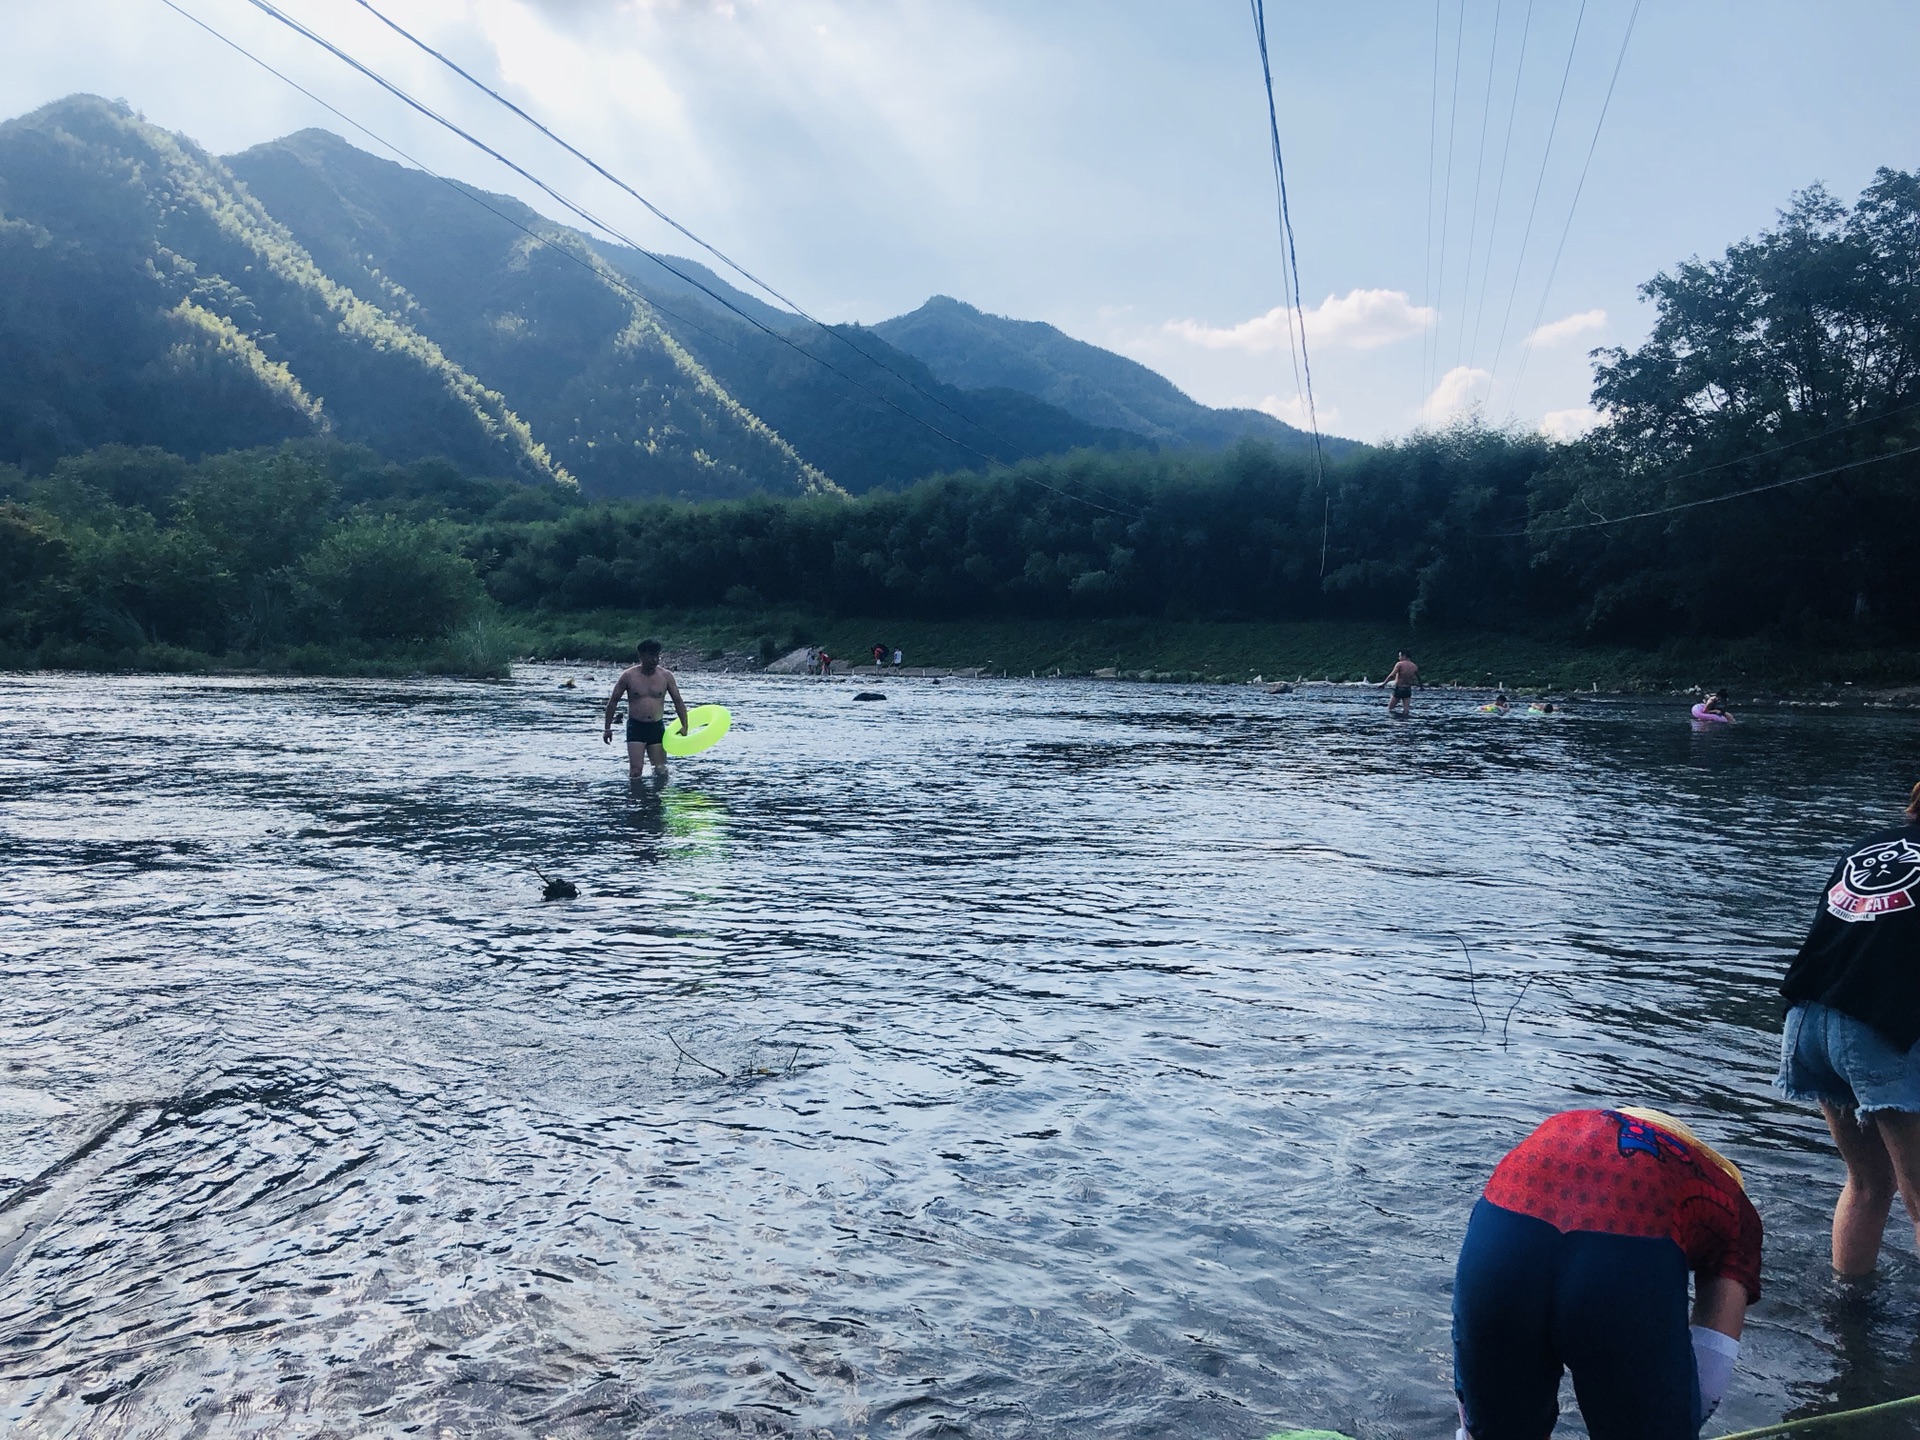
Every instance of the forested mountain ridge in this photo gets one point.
(967, 347)
(145, 297)
(599, 373)
(151, 294)
(549, 331)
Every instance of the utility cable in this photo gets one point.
(1520, 259)
(1446, 194)
(1500, 185)
(1554, 269)
(1479, 169)
(667, 219)
(453, 185)
(1426, 255)
(1710, 500)
(273, 11)
(1293, 267)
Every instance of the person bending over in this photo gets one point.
(1577, 1258)
(1852, 1037)
(646, 686)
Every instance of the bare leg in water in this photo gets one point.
(1883, 1160)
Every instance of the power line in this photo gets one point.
(1446, 193)
(1553, 269)
(1479, 168)
(1426, 255)
(1293, 268)
(273, 11)
(1747, 459)
(1520, 259)
(662, 215)
(1500, 186)
(452, 185)
(1712, 499)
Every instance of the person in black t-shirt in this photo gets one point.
(1852, 1031)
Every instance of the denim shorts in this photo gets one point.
(1828, 1055)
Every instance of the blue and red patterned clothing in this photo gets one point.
(1613, 1174)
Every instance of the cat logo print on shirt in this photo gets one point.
(1876, 881)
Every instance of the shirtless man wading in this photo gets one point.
(646, 686)
(1401, 679)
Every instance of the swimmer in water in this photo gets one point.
(1401, 679)
(1716, 704)
(1592, 1277)
(646, 686)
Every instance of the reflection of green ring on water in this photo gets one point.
(706, 724)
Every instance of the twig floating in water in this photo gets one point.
(695, 1058)
(1473, 985)
(1513, 1007)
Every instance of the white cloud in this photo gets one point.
(1569, 424)
(1293, 410)
(1460, 391)
(1554, 331)
(1358, 320)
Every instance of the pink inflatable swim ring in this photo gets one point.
(1700, 712)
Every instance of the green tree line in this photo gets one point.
(1748, 479)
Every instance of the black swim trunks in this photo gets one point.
(1400, 692)
(646, 732)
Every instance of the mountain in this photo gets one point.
(972, 349)
(145, 298)
(600, 375)
(151, 294)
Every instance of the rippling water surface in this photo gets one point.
(1005, 1059)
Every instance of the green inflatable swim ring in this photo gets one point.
(706, 724)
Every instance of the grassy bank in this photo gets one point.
(483, 649)
(1159, 649)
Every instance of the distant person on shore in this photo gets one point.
(1577, 1258)
(646, 686)
(826, 665)
(1851, 1033)
(1401, 680)
(898, 658)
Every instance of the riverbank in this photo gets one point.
(1151, 650)
(1237, 652)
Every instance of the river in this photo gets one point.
(1001, 1059)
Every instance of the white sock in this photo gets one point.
(1714, 1355)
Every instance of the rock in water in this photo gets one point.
(869, 695)
(558, 889)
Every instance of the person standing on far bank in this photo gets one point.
(647, 686)
(1401, 680)
(1852, 1037)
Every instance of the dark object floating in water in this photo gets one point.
(558, 889)
(869, 695)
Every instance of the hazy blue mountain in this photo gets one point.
(974, 350)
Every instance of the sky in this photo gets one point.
(1472, 214)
